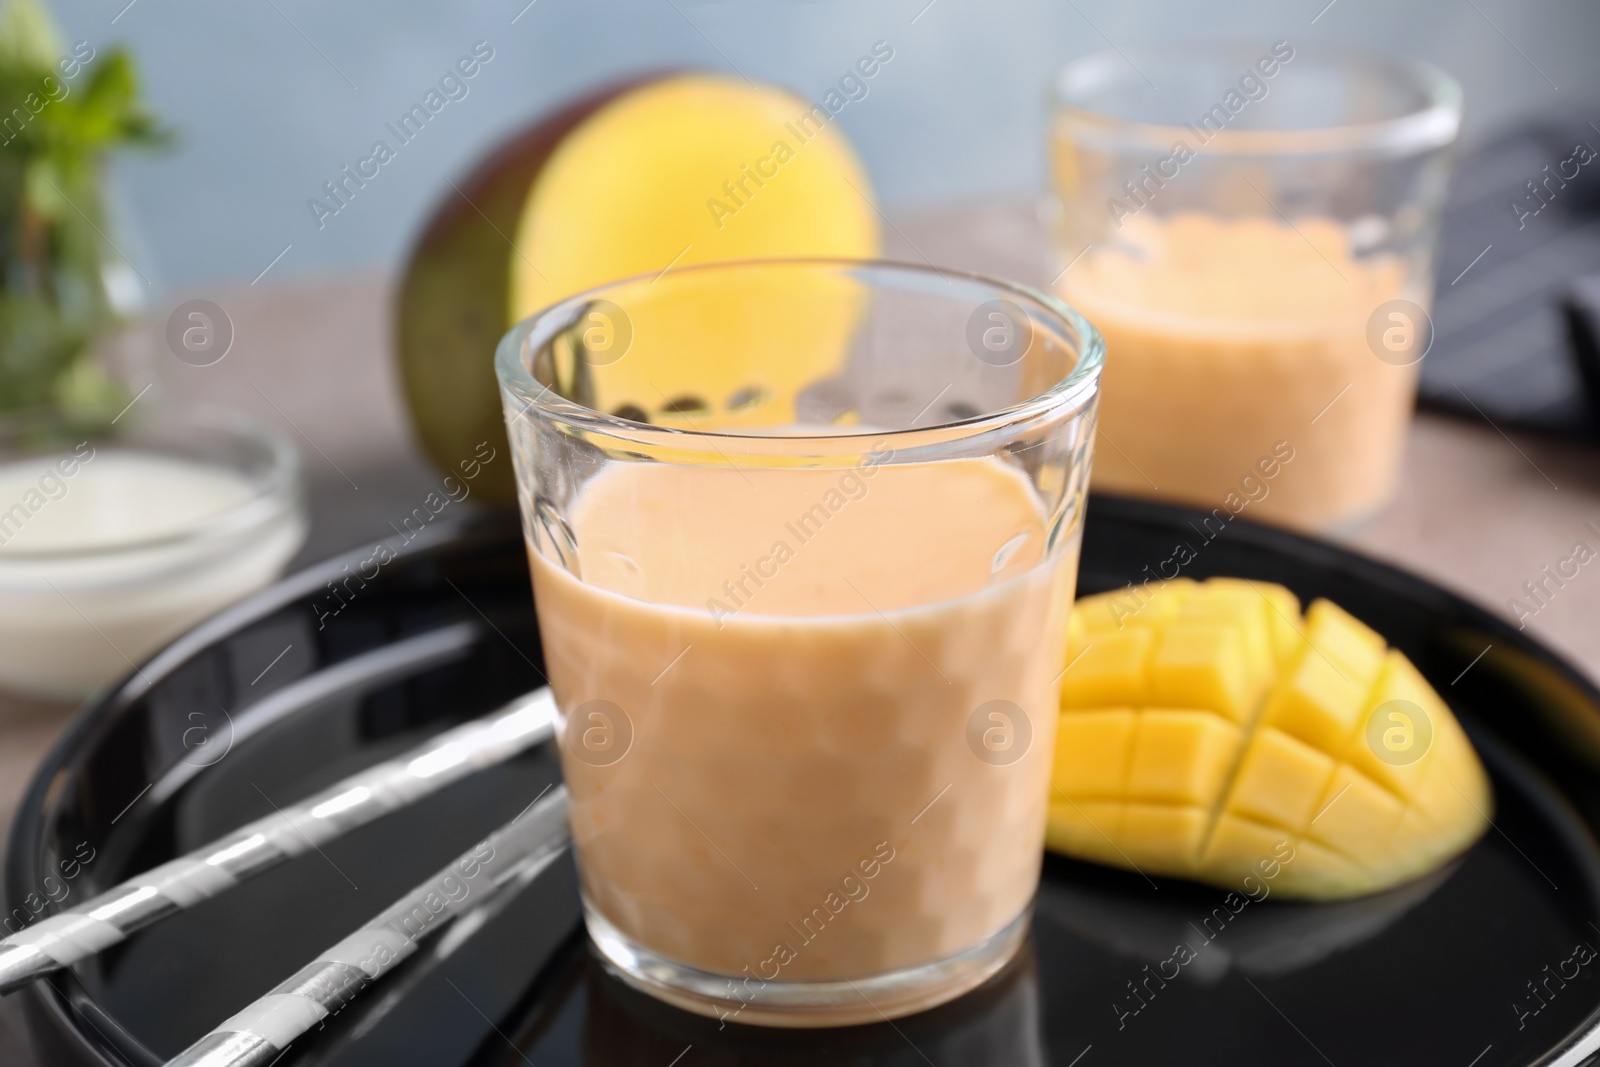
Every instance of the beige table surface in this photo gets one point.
(1478, 511)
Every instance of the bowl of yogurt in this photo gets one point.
(115, 539)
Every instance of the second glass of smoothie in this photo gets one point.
(1252, 227)
(804, 537)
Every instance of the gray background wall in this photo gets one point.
(271, 97)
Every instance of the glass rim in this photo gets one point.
(1077, 387)
(1433, 124)
(275, 496)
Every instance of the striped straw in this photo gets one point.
(65, 938)
(506, 860)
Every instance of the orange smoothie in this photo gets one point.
(1228, 339)
(813, 784)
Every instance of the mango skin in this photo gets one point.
(453, 303)
(1207, 729)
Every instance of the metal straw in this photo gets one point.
(508, 859)
(72, 935)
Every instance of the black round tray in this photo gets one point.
(1475, 966)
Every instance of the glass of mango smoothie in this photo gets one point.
(1252, 228)
(804, 536)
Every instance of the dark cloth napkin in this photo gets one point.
(1517, 299)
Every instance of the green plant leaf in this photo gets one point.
(28, 36)
(55, 136)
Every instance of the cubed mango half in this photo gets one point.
(1209, 730)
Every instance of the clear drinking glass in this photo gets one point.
(1252, 228)
(804, 536)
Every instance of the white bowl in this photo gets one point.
(115, 540)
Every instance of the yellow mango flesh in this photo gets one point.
(1209, 729)
(690, 170)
